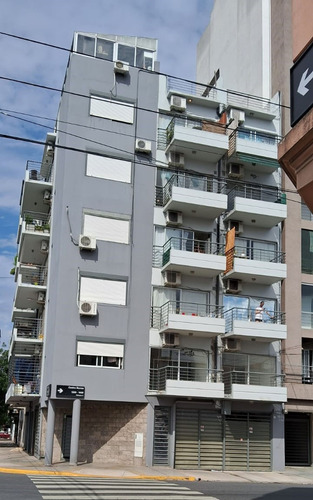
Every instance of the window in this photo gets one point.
(307, 251)
(307, 306)
(112, 110)
(126, 54)
(108, 168)
(107, 228)
(86, 45)
(306, 214)
(307, 361)
(104, 49)
(100, 354)
(103, 291)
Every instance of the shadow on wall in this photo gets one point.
(107, 432)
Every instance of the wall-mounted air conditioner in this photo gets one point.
(121, 67)
(233, 286)
(231, 345)
(176, 159)
(143, 146)
(47, 196)
(241, 117)
(44, 246)
(237, 114)
(174, 218)
(170, 339)
(41, 298)
(235, 171)
(172, 278)
(87, 308)
(50, 150)
(178, 103)
(236, 224)
(87, 242)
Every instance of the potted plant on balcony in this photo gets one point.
(29, 222)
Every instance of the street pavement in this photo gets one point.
(16, 461)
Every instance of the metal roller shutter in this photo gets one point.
(211, 441)
(37, 433)
(297, 439)
(259, 433)
(236, 442)
(187, 439)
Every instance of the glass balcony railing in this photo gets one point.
(243, 314)
(159, 376)
(160, 315)
(161, 254)
(251, 378)
(195, 182)
(204, 125)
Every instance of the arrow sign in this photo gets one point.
(60, 390)
(302, 89)
(70, 391)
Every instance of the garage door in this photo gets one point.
(297, 439)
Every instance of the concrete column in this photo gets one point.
(50, 432)
(75, 431)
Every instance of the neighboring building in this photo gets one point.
(127, 298)
(273, 30)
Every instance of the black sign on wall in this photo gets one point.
(70, 391)
(301, 86)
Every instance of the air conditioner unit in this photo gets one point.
(172, 278)
(170, 339)
(50, 150)
(87, 242)
(178, 103)
(176, 159)
(44, 246)
(143, 146)
(236, 224)
(233, 286)
(231, 345)
(121, 67)
(174, 218)
(87, 308)
(47, 196)
(241, 117)
(235, 171)
(41, 298)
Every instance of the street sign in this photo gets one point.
(301, 86)
(70, 391)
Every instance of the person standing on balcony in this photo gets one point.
(259, 312)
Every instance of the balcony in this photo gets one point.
(260, 206)
(181, 381)
(240, 323)
(199, 196)
(37, 185)
(261, 107)
(201, 258)
(207, 138)
(24, 375)
(185, 317)
(258, 150)
(26, 330)
(202, 94)
(33, 237)
(31, 280)
(257, 265)
(254, 386)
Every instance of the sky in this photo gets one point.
(177, 24)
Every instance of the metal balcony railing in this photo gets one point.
(27, 328)
(243, 314)
(161, 254)
(24, 372)
(35, 221)
(298, 374)
(260, 192)
(204, 125)
(160, 315)
(262, 254)
(33, 275)
(195, 182)
(159, 376)
(251, 378)
(191, 88)
(34, 172)
(245, 101)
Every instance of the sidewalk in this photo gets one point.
(15, 460)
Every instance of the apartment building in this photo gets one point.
(261, 46)
(149, 235)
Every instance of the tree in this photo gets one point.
(4, 417)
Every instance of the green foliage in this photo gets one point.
(4, 420)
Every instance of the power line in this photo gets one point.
(232, 92)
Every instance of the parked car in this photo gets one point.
(5, 435)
